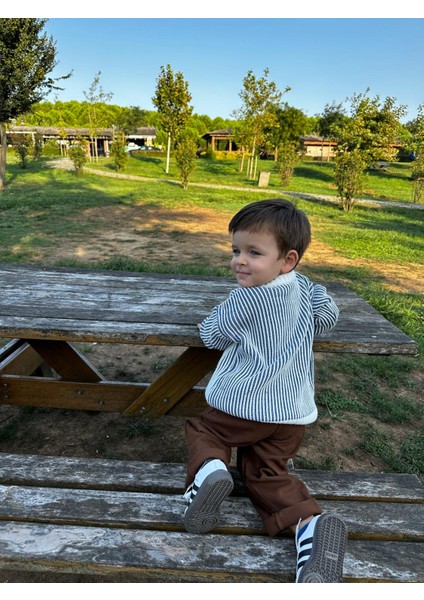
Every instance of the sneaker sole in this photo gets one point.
(202, 514)
(325, 564)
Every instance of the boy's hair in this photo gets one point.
(288, 224)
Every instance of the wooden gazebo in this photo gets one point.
(220, 140)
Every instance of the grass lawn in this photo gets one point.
(313, 177)
(44, 209)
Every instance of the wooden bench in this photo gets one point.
(95, 516)
(102, 517)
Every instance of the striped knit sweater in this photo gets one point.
(266, 372)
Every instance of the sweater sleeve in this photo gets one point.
(220, 329)
(326, 312)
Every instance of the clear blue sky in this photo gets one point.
(323, 60)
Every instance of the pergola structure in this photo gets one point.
(220, 140)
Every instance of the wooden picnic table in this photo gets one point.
(108, 517)
(46, 312)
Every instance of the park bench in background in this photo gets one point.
(97, 516)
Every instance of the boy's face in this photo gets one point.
(256, 258)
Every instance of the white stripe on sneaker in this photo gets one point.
(212, 484)
(320, 550)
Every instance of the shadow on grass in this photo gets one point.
(396, 171)
(315, 174)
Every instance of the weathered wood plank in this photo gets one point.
(10, 348)
(364, 520)
(20, 359)
(54, 393)
(222, 557)
(168, 478)
(105, 396)
(47, 502)
(167, 334)
(107, 332)
(73, 305)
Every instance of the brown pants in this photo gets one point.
(263, 450)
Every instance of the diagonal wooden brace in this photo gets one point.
(170, 387)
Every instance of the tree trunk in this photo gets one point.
(168, 153)
(3, 152)
(242, 162)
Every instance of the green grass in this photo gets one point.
(43, 208)
(406, 457)
(312, 177)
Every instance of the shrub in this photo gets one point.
(23, 148)
(418, 179)
(349, 175)
(287, 159)
(118, 152)
(51, 148)
(78, 156)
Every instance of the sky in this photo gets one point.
(323, 60)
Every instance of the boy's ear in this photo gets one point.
(290, 261)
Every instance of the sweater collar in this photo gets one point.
(285, 279)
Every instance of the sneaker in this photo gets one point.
(321, 546)
(212, 484)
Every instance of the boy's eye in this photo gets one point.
(254, 253)
(236, 251)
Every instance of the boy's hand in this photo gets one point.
(198, 325)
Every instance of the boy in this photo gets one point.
(261, 395)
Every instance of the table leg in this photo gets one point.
(66, 360)
(170, 387)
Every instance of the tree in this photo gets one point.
(415, 131)
(130, 119)
(367, 135)
(292, 124)
(118, 151)
(418, 179)
(372, 128)
(27, 56)
(260, 97)
(172, 100)
(416, 146)
(334, 115)
(96, 99)
(185, 156)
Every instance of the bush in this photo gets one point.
(209, 154)
(287, 159)
(78, 156)
(118, 152)
(349, 175)
(51, 148)
(23, 148)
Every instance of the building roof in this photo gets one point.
(219, 132)
(74, 131)
(316, 140)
